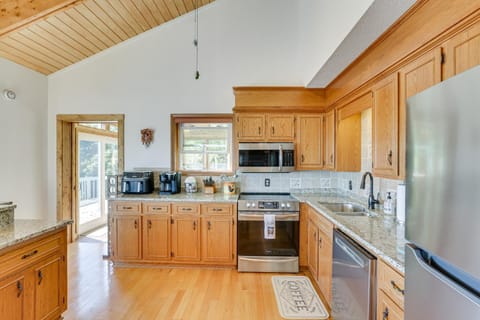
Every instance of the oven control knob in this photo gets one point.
(288, 205)
(248, 205)
(282, 205)
(253, 204)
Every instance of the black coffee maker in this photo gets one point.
(170, 182)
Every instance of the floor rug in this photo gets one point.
(297, 299)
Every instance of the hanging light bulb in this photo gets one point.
(195, 41)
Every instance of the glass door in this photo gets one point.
(97, 158)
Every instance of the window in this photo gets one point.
(202, 143)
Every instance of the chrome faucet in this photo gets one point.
(371, 199)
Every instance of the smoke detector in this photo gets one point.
(9, 95)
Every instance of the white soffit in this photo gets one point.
(377, 19)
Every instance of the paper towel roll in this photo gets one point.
(401, 203)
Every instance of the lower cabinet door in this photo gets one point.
(217, 239)
(186, 238)
(387, 309)
(126, 240)
(12, 297)
(312, 253)
(48, 300)
(325, 265)
(156, 237)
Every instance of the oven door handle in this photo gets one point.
(260, 217)
(277, 259)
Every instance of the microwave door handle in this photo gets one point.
(280, 159)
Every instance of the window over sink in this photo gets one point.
(202, 144)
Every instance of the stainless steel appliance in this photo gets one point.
(353, 280)
(268, 233)
(170, 182)
(137, 182)
(442, 276)
(266, 157)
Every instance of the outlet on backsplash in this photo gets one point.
(267, 182)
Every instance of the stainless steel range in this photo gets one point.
(268, 232)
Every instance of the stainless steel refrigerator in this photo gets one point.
(442, 272)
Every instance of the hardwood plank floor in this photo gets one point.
(97, 290)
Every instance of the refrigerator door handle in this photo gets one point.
(440, 276)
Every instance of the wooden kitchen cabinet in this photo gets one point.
(312, 244)
(186, 238)
(303, 245)
(218, 233)
(309, 146)
(250, 127)
(156, 237)
(33, 277)
(280, 127)
(12, 297)
(329, 140)
(462, 51)
(385, 127)
(126, 237)
(49, 298)
(418, 75)
(390, 293)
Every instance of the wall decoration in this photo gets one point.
(147, 136)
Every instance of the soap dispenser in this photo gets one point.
(388, 204)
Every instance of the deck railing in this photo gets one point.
(89, 190)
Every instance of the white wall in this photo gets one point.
(147, 78)
(324, 24)
(23, 140)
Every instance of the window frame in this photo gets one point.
(177, 119)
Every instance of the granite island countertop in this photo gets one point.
(24, 229)
(178, 197)
(378, 233)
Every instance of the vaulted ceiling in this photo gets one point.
(49, 35)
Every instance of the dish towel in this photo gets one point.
(269, 223)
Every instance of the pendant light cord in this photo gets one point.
(195, 41)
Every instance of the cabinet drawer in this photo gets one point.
(155, 207)
(23, 256)
(125, 207)
(387, 309)
(190, 208)
(391, 282)
(217, 208)
(323, 224)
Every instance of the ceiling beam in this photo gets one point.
(16, 14)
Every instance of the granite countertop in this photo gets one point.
(23, 229)
(181, 197)
(378, 233)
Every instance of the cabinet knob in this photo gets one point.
(136, 224)
(389, 157)
(194, 225)
(396, 287)
(273, 130)
(209, 224)
(259, 131)
(149, 223)
(40, 277)
(303, 158)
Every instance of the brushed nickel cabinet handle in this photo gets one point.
(194, 225)
(396, 287)
(389, 157)
(320, 241)
(149, 223)
(127, 208)
(385, 314)
(136, 224)
(273, 130)
(259, 131)
(303, 158)
(186, 209)
(209, 225)
(40, 277)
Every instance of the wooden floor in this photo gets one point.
(97, 290)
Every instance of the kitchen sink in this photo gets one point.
(346, 208)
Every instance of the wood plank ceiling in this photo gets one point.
(48, 38)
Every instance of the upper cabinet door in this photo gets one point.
(329, 144)
(250, 127)
(385, 128)
(280, 127)
(415, 77)
(462, 52)
(309, 142)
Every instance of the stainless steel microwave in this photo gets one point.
(266, 157)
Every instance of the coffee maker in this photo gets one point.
(170, 182)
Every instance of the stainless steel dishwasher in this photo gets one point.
(354, 280)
